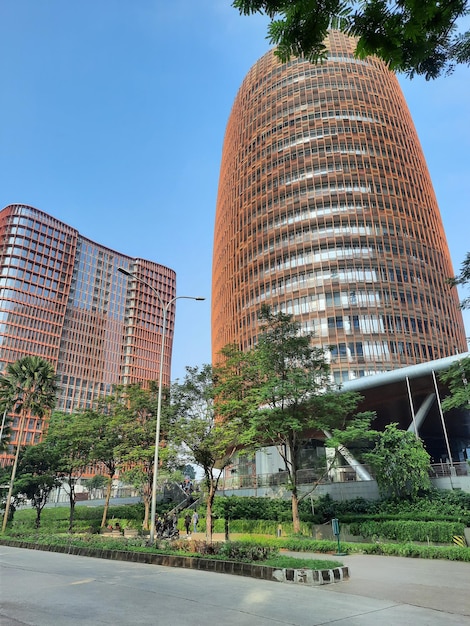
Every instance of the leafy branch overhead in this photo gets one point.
(412, 37)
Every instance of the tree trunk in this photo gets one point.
(106, 502)
(292, 464)
(13, 473)
(295, 511)
(38, 516)
(146, 498)
(72, 502)
(210, 500)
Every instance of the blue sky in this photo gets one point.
(112, 119)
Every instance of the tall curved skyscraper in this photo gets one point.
(326, 211)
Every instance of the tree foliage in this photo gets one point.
(412, 37)
(400, 463)
(457, 379)
(137, 426)
(37, 476)
(463, 279)
(28, 387)
(284, 395)
(200, 435)
(71, 439)
(108, 421)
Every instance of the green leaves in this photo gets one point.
(280, 394)
(410, 36)
(29, 385)
(400, 463)
(457, 379)
(207, 439)
(463, 278)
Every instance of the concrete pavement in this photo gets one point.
(44, 588)
(434, 584)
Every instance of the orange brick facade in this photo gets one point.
(326, 211)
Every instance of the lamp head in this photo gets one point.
(125, 272)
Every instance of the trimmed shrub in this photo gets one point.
(404, 531)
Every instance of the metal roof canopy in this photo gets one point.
(420, 374)
(408, 396)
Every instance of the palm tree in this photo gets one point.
(29, 388)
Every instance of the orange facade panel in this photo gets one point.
(326, 210)
(63, 298)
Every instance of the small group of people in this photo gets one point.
(166, 526)
(188, 520)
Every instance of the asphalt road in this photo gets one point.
(50, 589)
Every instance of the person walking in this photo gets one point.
(187, 523)
(195, 520)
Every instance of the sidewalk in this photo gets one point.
(434, 584)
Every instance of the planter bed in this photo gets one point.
(264, 572)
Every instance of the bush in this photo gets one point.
(245, 551)
(450, 506)
(404, 531)
(56, 519)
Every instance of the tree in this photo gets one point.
(463, 278)
(70, 437)
(456, 378)
(411, 37)
(188, 471)
(400, 463)
(37, 476)
(137, 447)
(97, 483)
(205, 439)
(290, 398)
(106, 422)
(5, 426)
(29, 388)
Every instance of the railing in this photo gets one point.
(344, 474)
(304, 477)
(462, 468)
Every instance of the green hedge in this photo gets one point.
(450, 506)
(404, 531)
(262, 515)
(451, 553)
(254, 527)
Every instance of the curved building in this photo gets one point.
(326, 211)
(62, 298)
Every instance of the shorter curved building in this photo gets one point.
(62, 298)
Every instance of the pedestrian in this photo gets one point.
(187, 523)
(195, 520)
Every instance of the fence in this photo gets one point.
(338, 475)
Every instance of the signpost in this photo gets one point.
(336, 530)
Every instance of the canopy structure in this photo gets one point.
(411, 396)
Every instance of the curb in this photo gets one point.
(307, 577)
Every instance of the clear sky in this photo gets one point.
(112, 119)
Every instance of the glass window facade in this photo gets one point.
(326, 211)
(62, 298)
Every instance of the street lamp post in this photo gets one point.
(164, 308)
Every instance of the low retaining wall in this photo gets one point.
(263, 572)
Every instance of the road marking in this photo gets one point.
(83, 582)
